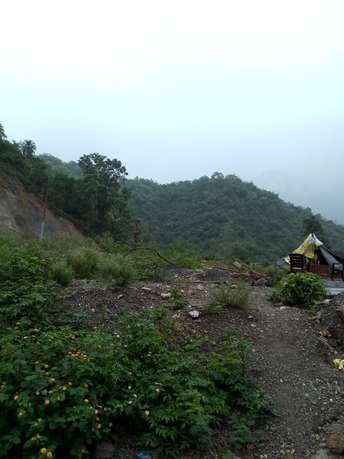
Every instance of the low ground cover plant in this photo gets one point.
(26, 291)
(299, 289)
(71, 388)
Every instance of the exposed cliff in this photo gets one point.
(21, 212)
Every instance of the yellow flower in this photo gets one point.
(43, 451)
(16, 397)
(49, 454)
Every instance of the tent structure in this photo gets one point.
(318, 258)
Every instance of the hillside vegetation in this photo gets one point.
(91, 192)
(219, 216)
(226, 217)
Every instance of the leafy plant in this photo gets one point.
(25, 293)
(67, 392)
(299, 289)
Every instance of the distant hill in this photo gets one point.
(224, 216)
(218, 216)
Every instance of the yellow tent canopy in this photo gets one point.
(308, 248)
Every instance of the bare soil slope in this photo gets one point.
(21, 212)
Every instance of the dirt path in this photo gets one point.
(306, 391)
(290, 365)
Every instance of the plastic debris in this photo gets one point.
(339, 364)
(143, 455)
(194, 314)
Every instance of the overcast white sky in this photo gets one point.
(182, 88)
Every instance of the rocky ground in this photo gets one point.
(291, 357)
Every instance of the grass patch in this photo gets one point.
(118, 268)
(226, 297)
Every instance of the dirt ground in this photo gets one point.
(289, 361)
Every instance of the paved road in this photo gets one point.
(334, 287)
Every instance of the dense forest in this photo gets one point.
(218, 216)
(224, 216)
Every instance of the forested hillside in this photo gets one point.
(218, 216)
(225, 216)
(91, 192)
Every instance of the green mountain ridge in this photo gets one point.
(224, 216)
(218, 216)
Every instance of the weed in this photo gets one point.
(228, 297)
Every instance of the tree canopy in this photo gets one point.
(225, 216)
(91, 192)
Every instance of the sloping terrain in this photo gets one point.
(21, 212)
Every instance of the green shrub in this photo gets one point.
(71, 389)
(228, 297)
(61, 273)
(84, 262)
(299, 289)
(26, 294)
(118, 268)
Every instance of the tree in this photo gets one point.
(28, 148)
(312, 224)
(2, 133)
(104, 198)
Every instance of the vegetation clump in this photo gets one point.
(299, 289)
(72, 388)
(61, 272)
(235, 296)
(118, 268)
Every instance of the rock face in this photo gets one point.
(21, 213)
